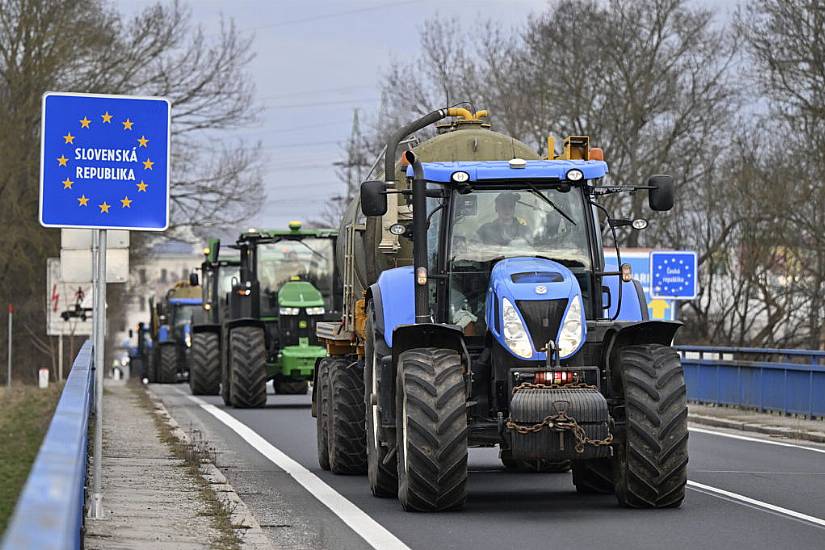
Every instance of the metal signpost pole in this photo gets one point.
(100, 337)
(11, 320)
(60, 356)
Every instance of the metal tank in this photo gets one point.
(365, 246)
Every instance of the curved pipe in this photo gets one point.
(401, 133)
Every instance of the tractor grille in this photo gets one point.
(291, 331)
(543, 318)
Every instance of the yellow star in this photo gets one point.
(69, 138)
(83, 200)
(61, 160)
(104, 208)
(67, 183)
(147, 164)
(142, 186)
(143, 141)
(106, 117)
(126, 202)
(127, 124)
(84, 122)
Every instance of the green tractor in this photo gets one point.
(287, 284)
(218, 276)
(171, 330)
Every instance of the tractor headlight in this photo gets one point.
(574, 175)
(289, 311)
(316, 310)
(571, 329)
(514, 333)
(187, 338)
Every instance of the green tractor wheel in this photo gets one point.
(247, 361)
(167, 368)
(205, 364)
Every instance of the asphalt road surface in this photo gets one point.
(744, 492)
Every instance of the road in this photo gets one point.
(743, 493)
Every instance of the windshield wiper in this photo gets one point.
(551, 203)
(311, 249)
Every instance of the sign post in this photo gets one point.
(104, 164)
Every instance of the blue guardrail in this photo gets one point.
(788, 381)
(49, 512)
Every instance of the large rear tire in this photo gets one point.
(593, 477)
(652, 461)
(247, 361)
(167, 369)
(322, 413)
(226, 384)
(205, 364)
(347, 434)
(431, 429)
(383, 477)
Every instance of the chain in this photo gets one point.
(559, 422)
(531, 386)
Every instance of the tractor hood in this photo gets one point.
(299, 294)
(531, 301)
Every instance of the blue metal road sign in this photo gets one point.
(673, 275)
(658, 309)
(104, 162)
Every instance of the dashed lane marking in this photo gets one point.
(367, 528)
(753, 503)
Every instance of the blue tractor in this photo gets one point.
(509, 330)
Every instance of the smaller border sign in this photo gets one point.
(673, 275)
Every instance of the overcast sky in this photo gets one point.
(316, 61)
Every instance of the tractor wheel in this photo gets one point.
(205, 364)
(167, 368)
(539, 466)
(322, 412)
(652, 460)
(383, 477)
(247, 361)
(226, 383)
(291, 387)
(347, 436)
(151, 367)
(593, 477)
(431, 429)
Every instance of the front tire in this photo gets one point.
(247, 360)
(167, 372)
(652, 461)
(205, 365)
(322, 413)
(431, 429)
(383, 478)
(347, 434)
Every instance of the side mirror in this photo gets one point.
(660, 195)
(373, 198)
(193, 279)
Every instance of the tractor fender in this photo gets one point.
(392, 296)
(206, 327)
(639, 333)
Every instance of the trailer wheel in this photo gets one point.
(652, 461)
(539, 466)
(205, 365)
(347, 434)
(322, 413)
(167, 369)
(290, 387)
(431, 428)
(592, 477)
(383, 477)
(247, 361)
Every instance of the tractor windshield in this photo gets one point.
(492, 224)
(309, 259)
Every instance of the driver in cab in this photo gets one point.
(506, 227)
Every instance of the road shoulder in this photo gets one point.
(789, 427)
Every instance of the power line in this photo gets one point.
(323, 103)
(335, 14)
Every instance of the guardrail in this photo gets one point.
(49, 512)
(788, 381)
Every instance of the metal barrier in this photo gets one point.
(788, 381)
(49, 512)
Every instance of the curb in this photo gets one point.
(246, 527)
(777, 431)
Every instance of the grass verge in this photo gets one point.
(25, 414)
(192, 455)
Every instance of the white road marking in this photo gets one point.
(715, 491)
(370, 530)
(755, 439)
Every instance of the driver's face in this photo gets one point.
(506, 212)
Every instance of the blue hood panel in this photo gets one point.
(535, 279)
